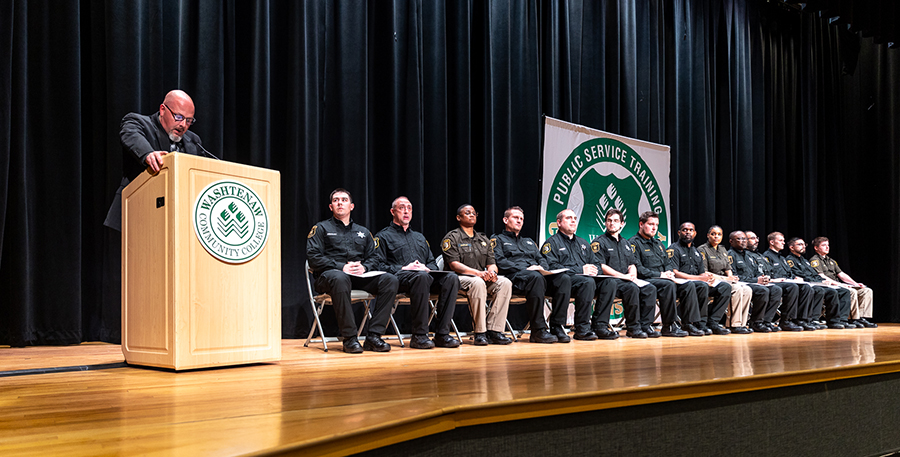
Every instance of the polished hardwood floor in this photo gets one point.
(317, 403)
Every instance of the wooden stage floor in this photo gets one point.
(316, 403)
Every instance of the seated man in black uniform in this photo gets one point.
(339, 250)
(405, 253)
(810, 299)
(790, 293)
(519, 259)
(765, 299)
(651, 263)
(686, 262)
(616, 258)
(837, 299)
(567, 250)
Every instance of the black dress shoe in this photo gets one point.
(606, 334)
(480, 339)
(542, 335)
(650, 331)
(741, 330)
(444, 340)
(674, 330)
(760, 327)
(374, 343)
(866, 323)
(586, 336)
(636, 334)
(853, 324)
(420, 342)
(693, 330)
(560, 332)
(719, 330)
(837, 326)
(772, 327)
(789, 326)
(807, 327)
(351, 346)
(497, 338)
(821, 326)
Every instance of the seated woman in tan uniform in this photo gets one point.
(715, 258)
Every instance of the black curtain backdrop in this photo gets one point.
(777, 121)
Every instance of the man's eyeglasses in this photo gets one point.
(179, 117)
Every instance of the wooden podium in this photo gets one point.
(183, 306)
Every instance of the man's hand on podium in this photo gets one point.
(154, 160)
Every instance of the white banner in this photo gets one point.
(590, 171)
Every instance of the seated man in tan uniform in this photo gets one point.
(861, 296)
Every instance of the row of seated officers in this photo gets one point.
(738, 287)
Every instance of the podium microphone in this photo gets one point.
(208, 154)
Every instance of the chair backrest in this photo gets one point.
(440, 261)
(308, 273)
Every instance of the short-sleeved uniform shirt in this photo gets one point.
(618, 254)
(472, 251)
(570, 253)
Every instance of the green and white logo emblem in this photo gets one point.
(231, 221)
(600, 174)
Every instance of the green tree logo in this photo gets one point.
(605, 192)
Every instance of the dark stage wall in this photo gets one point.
(777, 121)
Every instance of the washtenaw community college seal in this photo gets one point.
(231, 221)
(600, 174)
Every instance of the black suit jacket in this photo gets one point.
(140, 135)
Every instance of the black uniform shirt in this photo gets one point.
(398, 248)
(515, 253)
(743, 266)
(649, 255)
(686, 259)
(618, 254)
(570, 253)
(472, 251)
(801, 267)
(331, 244)
(761, 265)
(778, 268)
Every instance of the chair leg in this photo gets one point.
(397, 329)
(512, 331)
(318, 324)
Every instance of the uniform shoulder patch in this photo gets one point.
(377, 241)
(670, 252)
(493, 243)
(545, 249)
(595, 246)
(312, 232)
(730, 259)
(703, 254)
(445, 245)
(790, 263)
(814, 263)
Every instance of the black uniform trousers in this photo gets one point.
(606, 294)
(790, 296)
(418, 285)
(810, 303)
(721, 295)
(639, 303)
(665, 294)
(583, 290)
(693, 297)
(837, 303)
(535, 287)
(338, 284)
(764, 301)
